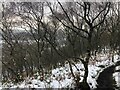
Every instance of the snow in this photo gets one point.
(62, 78)
(55, 84)
(116, 75)
(92, 82)
(0, 85)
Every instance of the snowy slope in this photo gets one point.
(62, 78)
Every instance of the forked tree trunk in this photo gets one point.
(84, 84)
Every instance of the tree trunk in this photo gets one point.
(84, 84)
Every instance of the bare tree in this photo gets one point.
(90, 20)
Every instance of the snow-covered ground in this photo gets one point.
(62, 78)
(116, 75)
